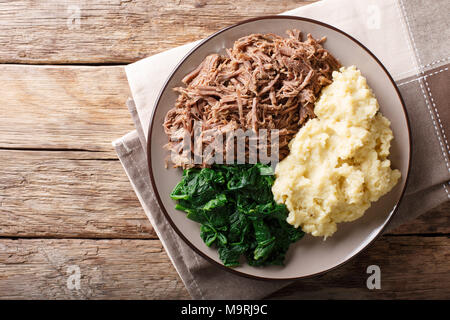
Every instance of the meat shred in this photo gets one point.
(264, 82)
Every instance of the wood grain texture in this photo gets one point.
(118, 31)
(435, 221)
(411, 268)
(63, 107)
(60, 178)
(109, 269)
(74, 194)
(57, 191)
(68, 194)
(415, 267)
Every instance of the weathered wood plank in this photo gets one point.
(110, 269)
(105, 31)
(68, 194)
(87, 195)
(63, 107)
(86, 111)
(411, 268)
(435, 221)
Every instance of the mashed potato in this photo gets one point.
(338, 162)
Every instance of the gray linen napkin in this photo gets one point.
(415, 49)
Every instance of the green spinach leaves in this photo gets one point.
(235, 207)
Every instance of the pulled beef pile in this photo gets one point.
(265, 82)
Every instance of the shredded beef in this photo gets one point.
(265, 82)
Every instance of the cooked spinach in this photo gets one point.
(235, 207)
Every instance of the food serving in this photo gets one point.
(338, 162)
(265, 82)
(332, 141)
(237, 213)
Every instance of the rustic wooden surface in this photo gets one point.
(64, 197)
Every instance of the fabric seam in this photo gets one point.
(176, 242)
(427, 102)
(423, 77)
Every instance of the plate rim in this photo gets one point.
(152, 122)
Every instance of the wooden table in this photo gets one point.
(66, 205)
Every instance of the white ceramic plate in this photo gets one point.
(309, 256)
